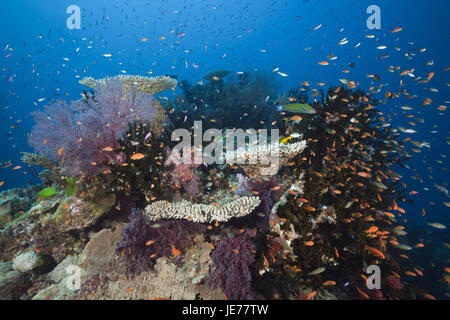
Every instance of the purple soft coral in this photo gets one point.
(83, 136)
(139, 253)
(231, 267)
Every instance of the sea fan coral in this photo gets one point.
(84, 135)
(142, 243)
(231, 267)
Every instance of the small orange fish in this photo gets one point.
(375, 252)
(395, 207)
(295, 118)
(364, 174)
(137, 156)
(149, 242)
(309, 243)
(329, 283)
(428, 296)
(311, 295)
(398, 29)
(107, 149)
(60, 151)
(129, 289)
(266, 263)
(323, 63)
(362, 293)
(175, 252)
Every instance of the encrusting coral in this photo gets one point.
(202, 213)
(148, 85)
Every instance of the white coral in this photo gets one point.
(202, 213)
(266, 159)
(149, 85)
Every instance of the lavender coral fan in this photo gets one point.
(84, 135)
(143, 242)
(231, 267)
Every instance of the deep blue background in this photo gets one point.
(227, 34)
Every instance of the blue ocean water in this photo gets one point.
(42, 58)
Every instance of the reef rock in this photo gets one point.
(15, 200)
(26, 261)
(5, 213)
(12, 283)
(78, 212)
(100, 248)
(180, 280)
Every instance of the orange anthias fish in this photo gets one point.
(311, 295)
(375, 252)
(175, 251)
(137, 156)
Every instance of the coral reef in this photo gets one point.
(297, 218)
(326, 225)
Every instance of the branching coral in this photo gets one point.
(84, 135)
(202, 213)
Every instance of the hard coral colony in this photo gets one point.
(141, 224)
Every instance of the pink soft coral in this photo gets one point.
(83, 136)
(182, 174)
(395, 282)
